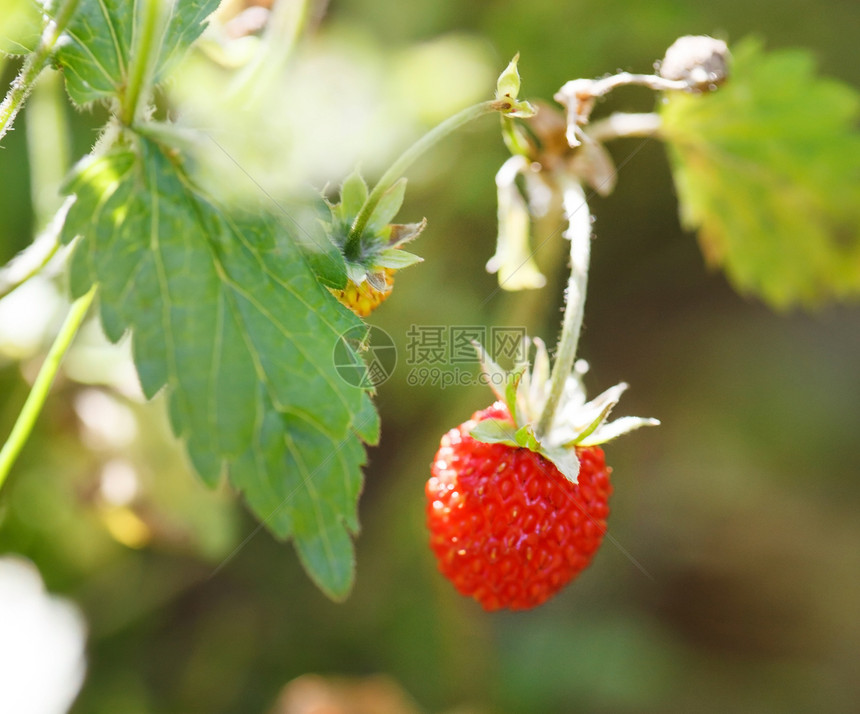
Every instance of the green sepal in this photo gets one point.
(496, 376)
(603, 404)
(355, 272)
(614, 429)
(500, 431)
(353, 194)
(508, 83)
(402, 233)
(396, 259)
(495, 431)
(565, 460)
(512, 384)
(387, 207)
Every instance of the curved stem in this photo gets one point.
(28, 263)
(396, 170)
(623, 124)
(652, 81)
(39, 392)
(579, 234)
(33, 65)
(285, 23)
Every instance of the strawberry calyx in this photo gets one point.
(372, 259)
(577, 421)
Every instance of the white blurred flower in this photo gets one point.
(42, 640)
(28, 318)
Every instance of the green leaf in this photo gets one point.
(226, 315)
(97, 46)
(767, 169)
(20, 27)
(314, 240)
(186, 24)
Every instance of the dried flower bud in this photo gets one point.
(698, 60)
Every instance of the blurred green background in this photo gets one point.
(732, 578)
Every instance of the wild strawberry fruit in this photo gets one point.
(507, 528)
(372, 246)
(363, 298)
(515, 515)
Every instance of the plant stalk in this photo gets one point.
(39, 392)
(144, 56)
(406, 159)
(621, 125)
(33, 66)
(579, 234)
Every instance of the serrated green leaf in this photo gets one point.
(366, 423)
(20, 27)
(308, 491)
(767, 169)
(387, 207)
(227, 316)
(312, 237)
(186, 24)
(97, 46)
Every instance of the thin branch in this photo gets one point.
(33, 65)
(39, 392)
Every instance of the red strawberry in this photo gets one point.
(507, 528)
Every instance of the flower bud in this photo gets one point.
(700, 61)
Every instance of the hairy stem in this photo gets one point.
(623, 124)
(30, 261)
(33, 65)
(39, 392)
(145, 51)
(406, 159)
(579, 233)
(652, 81)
